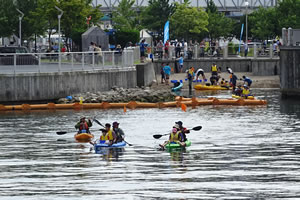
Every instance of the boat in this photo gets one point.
(239, 97)
(210, 87)
(100, 145)
(177, 87)
(83, 137)
(176, 146)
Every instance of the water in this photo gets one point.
(250, 152)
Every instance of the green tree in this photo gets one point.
(74, 19)
(125, 17)
(288, 14)
(265, 23)
(188, 21)
(156, 14)
(8, 18)
(218, 24)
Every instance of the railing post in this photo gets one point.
(15, 63)
(113, 58)
(39, 64)
(271, 50)
(82, 60)
(93, 60)
(72, 61)
(255, 51)
(196, 51)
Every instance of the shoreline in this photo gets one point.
(258, 81)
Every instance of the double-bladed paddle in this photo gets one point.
(157, 136)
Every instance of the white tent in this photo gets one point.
(145, 35)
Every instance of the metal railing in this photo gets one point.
(227, 51)
(67, 61)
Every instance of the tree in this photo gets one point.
(187, 21)
(218, 24)
(125, 17)
(265, 23)
(157, 14)
(288, 14)
(8, 18)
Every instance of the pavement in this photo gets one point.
(258, 81)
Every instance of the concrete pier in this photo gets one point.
(290, 71)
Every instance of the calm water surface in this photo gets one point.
(250, 152)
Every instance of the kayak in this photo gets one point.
(178, 87)
(239, 97)
(83, 137)
(99, 145)
(211, 87)
(175, 145)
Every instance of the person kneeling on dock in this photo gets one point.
(176, 136)
(119, 132)
(83, 125)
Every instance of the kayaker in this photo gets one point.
(246, 92)
(119, 132)
(183, 130)
(103, 137)
(233, 79)
(83, 125)
(247, 80)
(111, 136)
(175, 137)
(238, 91)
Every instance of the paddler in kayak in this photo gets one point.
(176, 136)
(119, 132)
(183, 130)
(83, 125)
(110, 134)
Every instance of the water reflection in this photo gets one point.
(111, 154)
(242, 152)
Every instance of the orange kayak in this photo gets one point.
(83, 137)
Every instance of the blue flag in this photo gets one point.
(241, 37)
(166, 32)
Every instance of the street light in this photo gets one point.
(20, 25)
(59, 39)
(246, 4)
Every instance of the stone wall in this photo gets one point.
(290, 71)
(47, 86)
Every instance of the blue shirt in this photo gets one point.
(248, 80)
(167, 69)
(180, 61)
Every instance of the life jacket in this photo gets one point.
(214, 68)
(190, 74)
(246, 92)
(84, 126)
(109, 135)
(104, 137)
(174, 137)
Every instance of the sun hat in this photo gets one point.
(176, 126)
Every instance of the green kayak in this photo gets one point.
(175, 145)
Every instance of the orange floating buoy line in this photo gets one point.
(179, 102)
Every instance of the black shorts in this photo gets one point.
(143, 53)
(200, 73)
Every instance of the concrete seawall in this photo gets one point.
(290, 71)
(259, 67)
(47, 86)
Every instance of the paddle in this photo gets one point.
(157, 136)
(61, 132)
(103, 126)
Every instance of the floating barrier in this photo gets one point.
(133, 104)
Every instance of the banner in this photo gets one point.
(241, 38)
(166, 32)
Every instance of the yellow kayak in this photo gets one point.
(83, 137)
(239, 97)
(211, 87)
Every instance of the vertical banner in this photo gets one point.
(166, 32)
(241, 38)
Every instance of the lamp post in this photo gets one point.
(246, 4)
(20, 26)
(59, 39)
